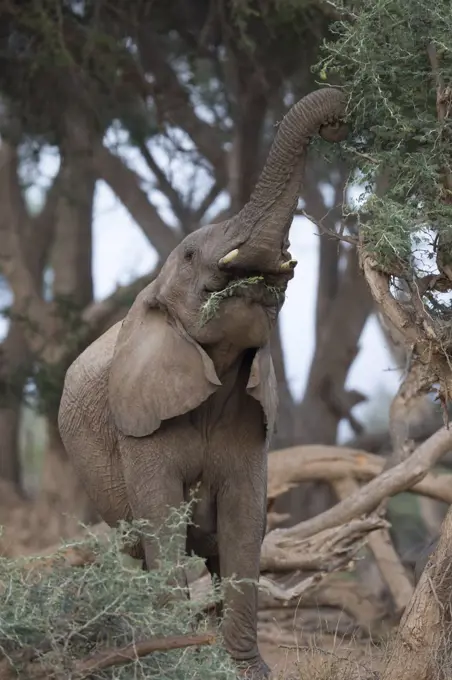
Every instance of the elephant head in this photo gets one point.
(221, 288)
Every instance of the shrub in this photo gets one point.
(60, 615)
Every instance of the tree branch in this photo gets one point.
(125, 183)
(326, 400)
(182, 212)
(96, 316)
(285, 550)
(14, 225)
(173, 103)
(137, 650)
(206, 202)
(40, 230)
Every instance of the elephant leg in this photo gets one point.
(152, 495)
(213, 567)
(240, 522)
(157, 512)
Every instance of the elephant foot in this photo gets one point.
(253, 670)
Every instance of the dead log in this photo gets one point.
(284, 551)
(399, 478)
(297, 464)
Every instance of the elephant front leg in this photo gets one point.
(153, 498)
(241, 524)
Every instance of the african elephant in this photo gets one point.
(168, 400)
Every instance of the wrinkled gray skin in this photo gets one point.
(424, 557)
(162, 403)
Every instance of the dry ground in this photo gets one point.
(321, 657)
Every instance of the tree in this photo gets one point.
(393, 62)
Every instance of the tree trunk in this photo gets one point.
(14, 368)
(10, 467)
(421, 649)
(326, 400)
(73, 290)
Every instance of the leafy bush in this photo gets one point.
(64, 613)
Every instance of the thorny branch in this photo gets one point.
(324, 230)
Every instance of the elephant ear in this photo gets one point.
(158, 371)
(262, 386)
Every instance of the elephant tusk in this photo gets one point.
(286, 266)
(229, 257)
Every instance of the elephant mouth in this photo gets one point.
(266, 291)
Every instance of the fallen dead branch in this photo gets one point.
(286, 595)
(291, 466)
(399, 478)
(386, 557)
(284, 550)
(123, 655)
(106, 659)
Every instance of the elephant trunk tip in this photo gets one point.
(334, 132)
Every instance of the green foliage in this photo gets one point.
(211, 307)
(394, 57)
(69, 613)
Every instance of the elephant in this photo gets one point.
(171, 399)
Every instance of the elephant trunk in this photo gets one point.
(265, 220)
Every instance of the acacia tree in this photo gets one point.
(205, 84)
(394, 60)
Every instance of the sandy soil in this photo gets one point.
(321, 657)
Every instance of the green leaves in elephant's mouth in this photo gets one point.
(239, 288)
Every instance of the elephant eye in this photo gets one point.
(189, 252)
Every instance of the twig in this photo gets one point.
(324, 230)
(362, 155)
